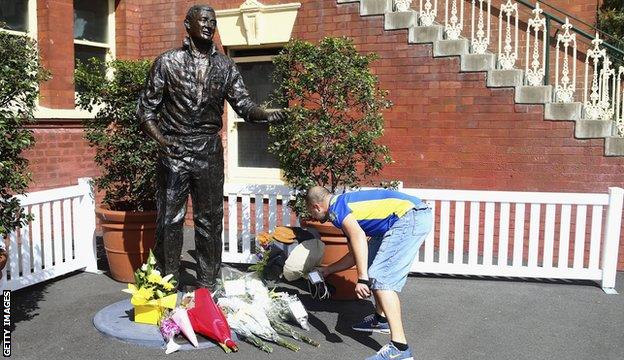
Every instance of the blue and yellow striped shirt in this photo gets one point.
(374, 210)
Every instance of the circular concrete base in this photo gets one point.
(115, 321)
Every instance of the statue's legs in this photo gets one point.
(173, 189)
(207, 195)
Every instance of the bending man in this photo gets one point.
(397, 224)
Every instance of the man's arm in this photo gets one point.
(359, 248)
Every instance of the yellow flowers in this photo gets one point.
(154, 277)
(149, 284)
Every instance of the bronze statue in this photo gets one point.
(181, 108)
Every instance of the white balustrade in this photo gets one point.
(428, 11)
(508, 54)
(481, 12)
(564, 89)
(402, 5)
(534, 68)
(454, 24)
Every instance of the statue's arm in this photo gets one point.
(240, 100)
(150, 102)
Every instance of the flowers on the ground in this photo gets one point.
(255, 317)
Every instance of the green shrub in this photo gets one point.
(20, 75)
(334, 116)
(125, 155)
(611, 21)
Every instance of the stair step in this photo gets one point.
(477, 62)
(505, 78)
(425, 34)
(533, 94)
(450, 47)
(592, 129)
(559, 111)
(375, 7)
(614, 146)
(400, 20)
(347, 1)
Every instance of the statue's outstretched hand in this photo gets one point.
(277, 116)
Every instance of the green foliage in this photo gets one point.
(334, 116)
(126, 156)
(20, 75)
(611, 21)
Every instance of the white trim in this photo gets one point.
(32, 22)
(92, 43)
(239, 174)
(254, 23)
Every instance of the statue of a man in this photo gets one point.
(181, 108)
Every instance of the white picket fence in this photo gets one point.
(509, 234)
(483, 233)
(60, 238)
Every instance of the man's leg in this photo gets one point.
(207, 197)
(391, 306)
(172, 193)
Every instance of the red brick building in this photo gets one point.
(447, 128)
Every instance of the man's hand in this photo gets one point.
(324, 270)
(362, 291)
(277, 116)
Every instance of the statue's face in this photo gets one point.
(201, 26)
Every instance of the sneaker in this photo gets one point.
(369, 324)
(390, 352)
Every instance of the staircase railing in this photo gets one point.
(523, 36)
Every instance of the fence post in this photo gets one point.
(611, 239)
(85, 226)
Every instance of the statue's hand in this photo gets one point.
(277, 116)
(174, 149)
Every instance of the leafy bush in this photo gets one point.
(124, 153)
(334, 116)
(20, 75)
(611, 21)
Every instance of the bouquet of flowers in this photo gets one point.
(151, 293)
(252, 312)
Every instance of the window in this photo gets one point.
(248, 157)
(19, 16)
(93, 30)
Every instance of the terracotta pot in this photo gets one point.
(128, 237)
(335, 248)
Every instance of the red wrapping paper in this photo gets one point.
(208, 320)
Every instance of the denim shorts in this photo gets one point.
(390, 256)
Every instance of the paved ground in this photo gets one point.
(445, 318)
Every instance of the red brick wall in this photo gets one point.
(60, 156)
(128, 29)
(55, 25)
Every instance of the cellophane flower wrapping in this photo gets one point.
(252, 313)
(208, 320)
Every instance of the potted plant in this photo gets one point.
(126, 159)
(20, 75)
(330, 138)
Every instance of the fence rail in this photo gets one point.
(493, 233)
(58, 240)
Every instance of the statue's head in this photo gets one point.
(201, 23)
